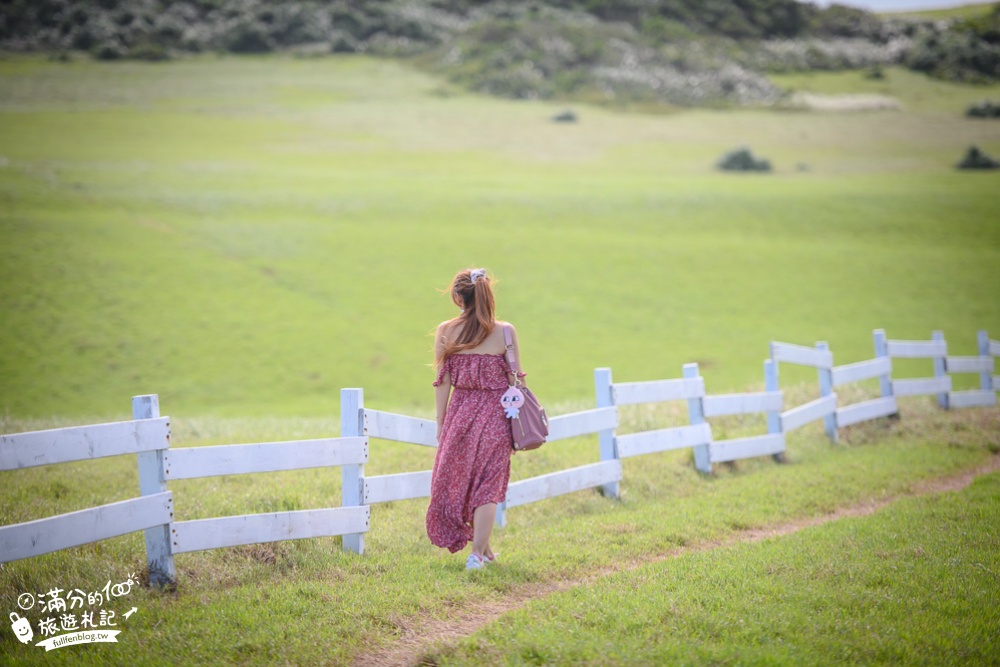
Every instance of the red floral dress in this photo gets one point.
(472, 464)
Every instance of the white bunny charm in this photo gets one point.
(512, 400)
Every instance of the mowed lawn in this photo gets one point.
(245, 236)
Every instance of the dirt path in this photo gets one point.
(422, 635)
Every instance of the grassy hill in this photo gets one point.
(247, 235)
(664, 52)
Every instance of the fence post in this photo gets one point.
(939, 369)
(696, 415)
(826, 389)
(352, 402)
(985, 377)
(501, 517)
(773, 418)
(159, 558)
(606, 399)
(882, 350)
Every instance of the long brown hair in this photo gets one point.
(474, 289)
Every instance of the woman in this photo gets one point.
(472, 465)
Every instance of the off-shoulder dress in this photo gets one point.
(472, 464)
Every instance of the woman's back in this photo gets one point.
(492, 344)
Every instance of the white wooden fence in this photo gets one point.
(359, 490)
(940, 384)
(697, 435)
(148, 437)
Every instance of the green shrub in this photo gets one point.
(844, 21)
(111, 49)
(984, 109)
(343, 42)
(976, 159)
(249, 36)
(149, 51)
(742, 159)
(956, 55)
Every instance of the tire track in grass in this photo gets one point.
(421, 636)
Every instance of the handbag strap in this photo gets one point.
(511, 357)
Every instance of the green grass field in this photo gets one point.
(246, 236)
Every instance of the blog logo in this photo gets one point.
(72, 615)
(21, 627)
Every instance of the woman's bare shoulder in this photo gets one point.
(449, 329)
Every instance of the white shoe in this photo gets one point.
(474, 562)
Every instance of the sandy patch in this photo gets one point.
(870, 102)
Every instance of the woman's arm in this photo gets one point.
(442, 392)
(441, 395)
(517, 351)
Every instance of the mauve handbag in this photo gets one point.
(530, 427)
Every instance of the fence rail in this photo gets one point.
(231, 531)
(147, 436)
(921, 386)
(42, 536)
(745, 448)
(861, 370)
(658, 391)
(801, 355)
(969, 364)
(194, 462)
(390, 426)
(867, 410)
(560, 483)
(809, 412)
(576, 424)
(972, 399)
(664, 439)
(79, 443)
(911, 349)
(740, 404)
(401, 486)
